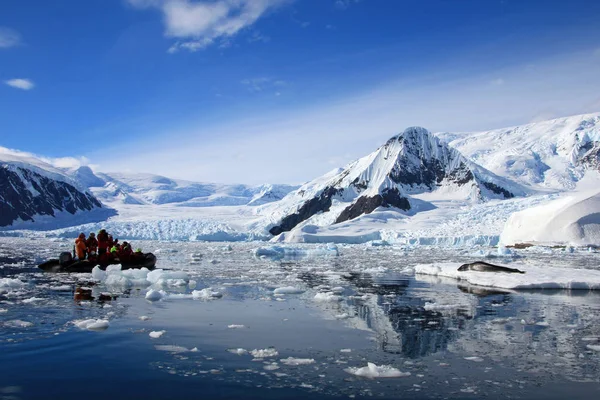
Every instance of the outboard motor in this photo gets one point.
(65, 258)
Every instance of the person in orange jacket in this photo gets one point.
(80, 247)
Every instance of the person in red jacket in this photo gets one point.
(92, 245)
(102, 242)
(111, 242)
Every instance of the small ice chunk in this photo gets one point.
(271, 366)
(346, 351)
(233, 326)
(144, 318)
(590, 339)
(337, 290)
(17, 323)
(288, 290)
(206, 294)
(327, 297)
(92, 324)
(239, 352)
(342, 316)
(475, 359)
(264, 353)
(374, 371)
(31, 300)
(171, 348)
(297, 361)
(192, 284)
(154, 295)
(156, 334)
(593, 347)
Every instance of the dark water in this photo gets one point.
(456, 342)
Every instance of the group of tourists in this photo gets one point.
(103, 248)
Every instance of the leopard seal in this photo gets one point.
(482, 266)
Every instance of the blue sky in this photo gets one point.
(259, 91)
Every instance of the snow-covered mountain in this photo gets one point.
(410, 164)
(550, 155)
(139, 188)
(31, 191)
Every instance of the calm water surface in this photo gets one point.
(456, 342)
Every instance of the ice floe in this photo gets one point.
(156, 334)
(92, 324)
(206, 294)
(297, 361)
(288, 290)
(375, 371)
(263, 353)
(278, 252)
(535, 277)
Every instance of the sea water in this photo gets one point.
(315, 322)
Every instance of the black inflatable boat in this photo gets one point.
(66, 263)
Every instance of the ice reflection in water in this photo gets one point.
(454, 339)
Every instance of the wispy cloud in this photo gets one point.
(256, 85)
(497, 82)
(344, 4)
(19, 83)
(199, 24)
(9, 38)
(309, 140)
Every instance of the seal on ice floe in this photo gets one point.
(482, 266)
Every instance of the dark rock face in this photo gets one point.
(366, 205)
(322, 203)
(17, 201)
(498, 190)
(591, 157)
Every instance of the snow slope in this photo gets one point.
(139, 188)
(573, 218)
(549, 155)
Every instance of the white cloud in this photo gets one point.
(198, 24)
(19, 83)
(256, 85)
(344, 4)
(300, 144)
(9, 38)
(497, 82)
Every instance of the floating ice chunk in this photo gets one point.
(590, 339)
(160, 277)
(236, 326)
(475, 359)
(264, 353)
(278, 252)
(3, 310)
(337, 290)
(227, 248)
(593, 347)
(378, 243)
(374, 371)
(327, 297)
(297, 361)
(92, 324)
(17, 323)
(542, 323)
(144, 318)
(346, 351)
(155, 295)
(7, 284)
(239, 352)
(171, 348)
(192, 284)
(98, 274)
(288, 290)
(206, 294)
(156, 334)
(342, 316)
(61, 288)
(31, 300)
(271, 366)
